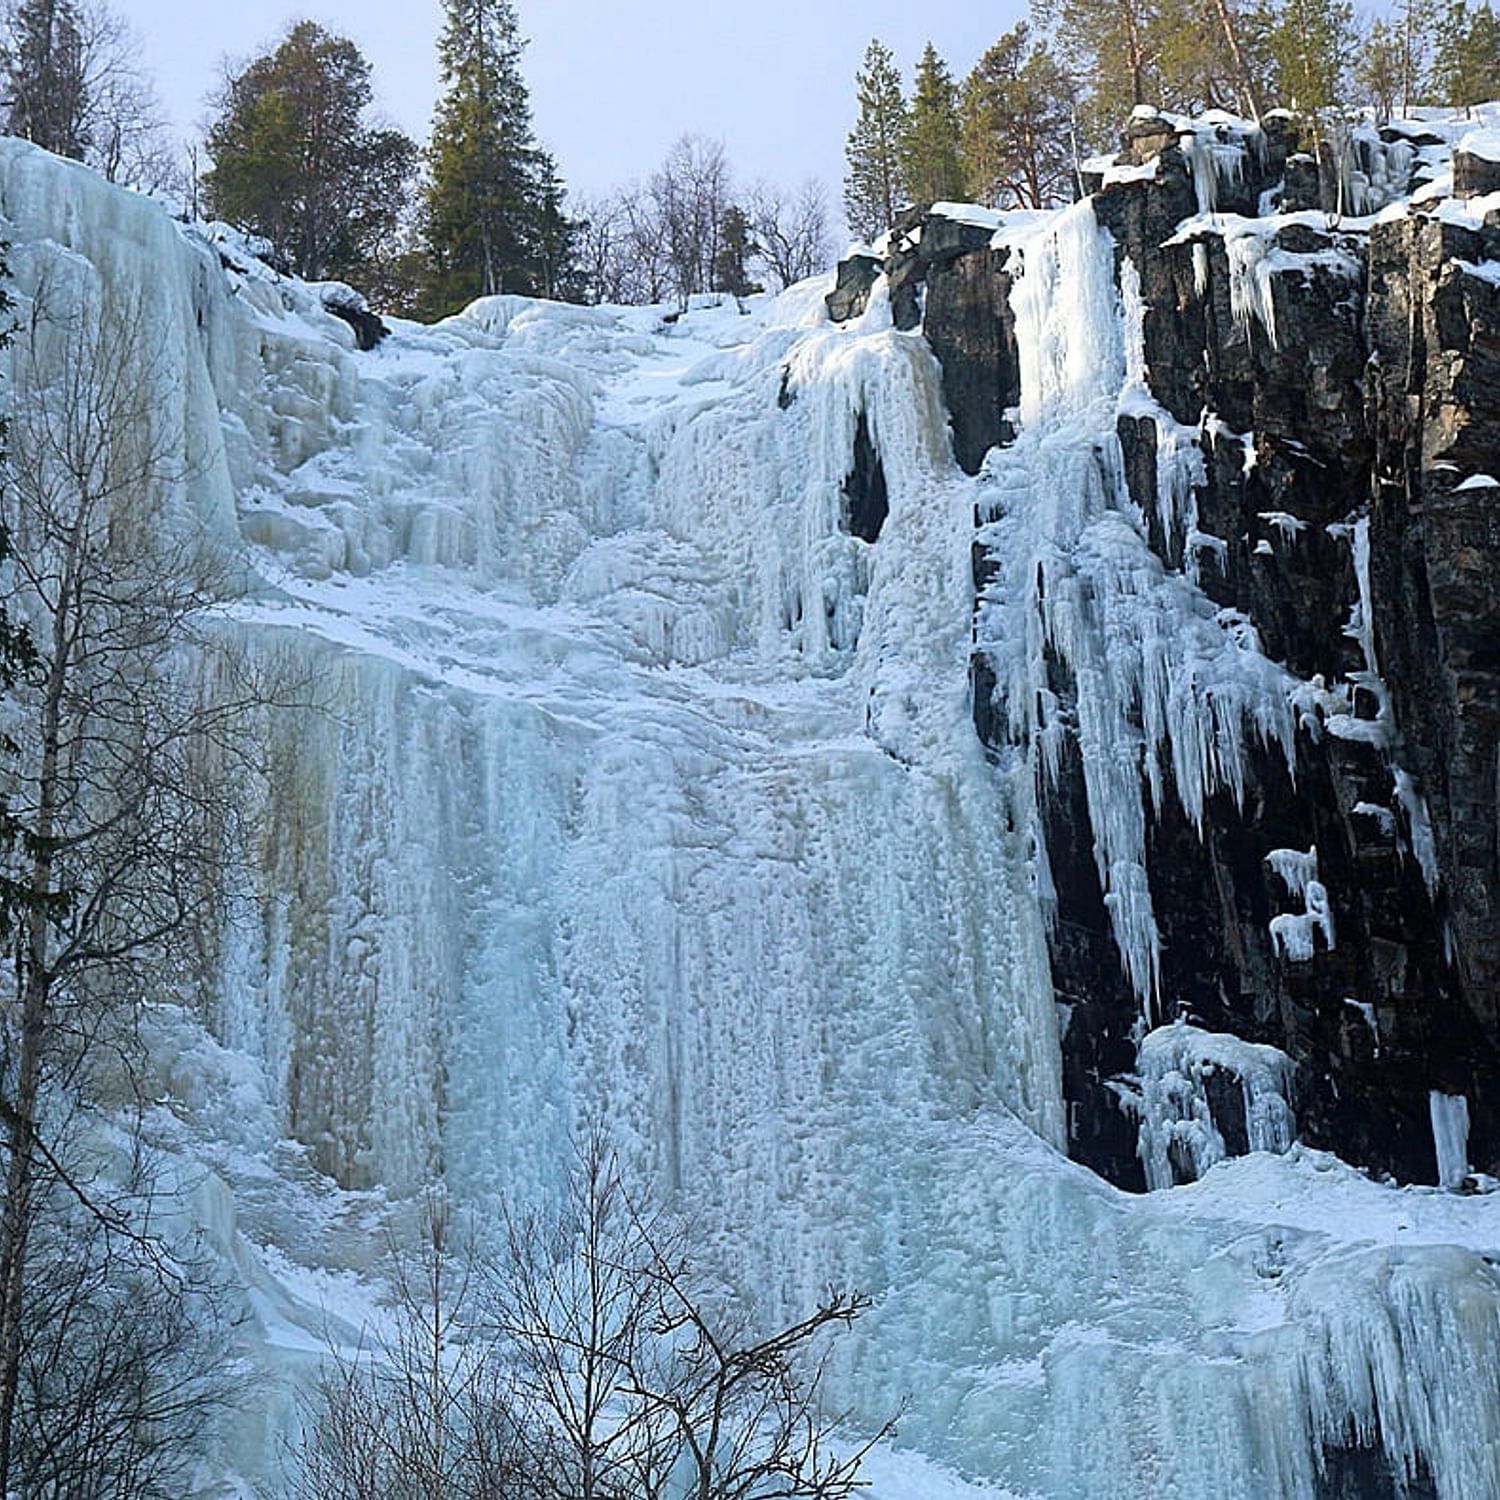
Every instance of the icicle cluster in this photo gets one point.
(1179, 1138)
(1154, 678)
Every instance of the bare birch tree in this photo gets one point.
(591, 1359)
(690, 195)
(792, 230)
(119, 784)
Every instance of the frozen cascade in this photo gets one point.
(1182, 1069)
(1163, 679)
(1292, 933)
(646, 792)
(1450, 1136)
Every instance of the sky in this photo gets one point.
(613, 84)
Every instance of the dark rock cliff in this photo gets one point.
(1371, 420)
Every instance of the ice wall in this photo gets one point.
(644, 792)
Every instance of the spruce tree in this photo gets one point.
(46, 76)
(929, 149)
(556, 272)
(874, 186)
(492, 195)
(732, 259)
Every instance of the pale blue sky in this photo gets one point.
(613, 84)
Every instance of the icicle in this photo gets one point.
(1250, 295)
(1161, 677)
(1450, 1136)
(1292, 933)
(1419, 821)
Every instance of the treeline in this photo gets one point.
(1057, 88)
(295, 158)
(689, 228)
(74, 83)
(482, 208)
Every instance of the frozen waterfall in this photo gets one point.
(647, 793)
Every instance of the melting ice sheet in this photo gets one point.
(650, 794)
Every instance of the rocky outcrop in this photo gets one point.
(857, 274)
(1476, 173)
(1350, 434)
(369, 330)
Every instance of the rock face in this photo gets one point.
(368, 328)
(1434, 406)
(1348, 506)
(851, 292)
(1475, 173)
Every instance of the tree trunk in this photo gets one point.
(34, 981)
(1137, 52)
(1231, 36)
(15, 1223)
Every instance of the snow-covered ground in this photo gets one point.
(645, 793)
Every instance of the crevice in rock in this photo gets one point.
(866, 501)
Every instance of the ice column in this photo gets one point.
(1450, 1136)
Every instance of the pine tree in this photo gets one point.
(489, 190)
(1114, 48)
(1415, 21)
(1313, 43)
(48, 88)
(1016, 117)
(1207, 57)
(294, 163)
(1466, 59)
(874, 186)
(1379, 70)
(929, 149)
